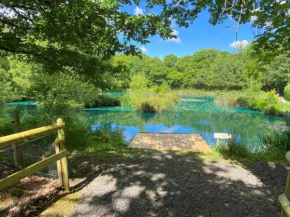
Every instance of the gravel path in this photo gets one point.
(168, 184)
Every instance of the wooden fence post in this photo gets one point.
(63, 161)
(287, 190)
(58, 163)
(17, 150)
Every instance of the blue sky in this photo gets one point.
(199, 35)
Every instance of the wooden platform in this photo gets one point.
(171, 141)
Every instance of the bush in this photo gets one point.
(107, 133)
(154, 99)
(268, 102)
(243, 101)
(146, 107)
(270, 110)
(287, 92)
(103, 101)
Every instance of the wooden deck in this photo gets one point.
(171, 141)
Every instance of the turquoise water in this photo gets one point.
(194, 114)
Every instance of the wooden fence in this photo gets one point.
(284, 198)
(60, 155)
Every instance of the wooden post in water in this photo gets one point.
(63, 161)
(287, 191)
(17, 151)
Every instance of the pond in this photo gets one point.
(194, 114)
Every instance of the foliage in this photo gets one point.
(6, 90)
(206, 69)
(276, 74)
(286, 117)
(52, 91)
(234, 148)
(272, 147)
(104, 101)
(78, 36)
(145, 99)
(287, 92)
(267, 102)
(278, 144)
(271, 18)
(106, 133)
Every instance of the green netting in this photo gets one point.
(32, 151)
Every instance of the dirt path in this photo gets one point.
(168, 184)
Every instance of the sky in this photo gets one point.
(199, 35)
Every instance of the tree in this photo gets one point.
(78, 35)
(6, 91)
(170, 60)
(53, 91)
(277, 73)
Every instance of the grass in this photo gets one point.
(63, 206)
(238, 151)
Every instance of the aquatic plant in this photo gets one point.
(107, 133)
(234, 148)
(277, 143)
(286, 117)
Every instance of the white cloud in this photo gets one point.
(143, 49)
(239, 44)
(176, 40)
(138, 11)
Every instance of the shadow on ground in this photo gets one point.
(170, 184)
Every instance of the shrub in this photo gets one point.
(287, 92)
(103, 101)
(277, 144)
(243, 101)
(270, 110)
(146, 107)
(107, 133)
(267, 103)
(154, 99)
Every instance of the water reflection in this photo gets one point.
(200, 115)
(204, 117)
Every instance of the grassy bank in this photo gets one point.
(267, 102)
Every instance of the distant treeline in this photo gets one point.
(206, 69)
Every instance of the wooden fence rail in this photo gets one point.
(60, 156)
(284, 198)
